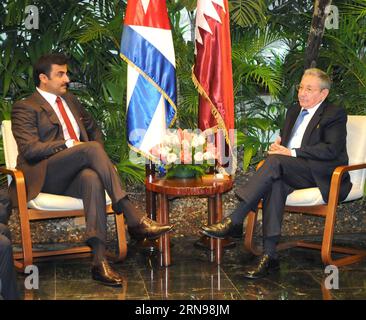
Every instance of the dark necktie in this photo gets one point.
(66, 118)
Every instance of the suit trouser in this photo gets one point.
(8, 284)
(273, 182)
(85, 171)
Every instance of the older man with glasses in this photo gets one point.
(312, 143)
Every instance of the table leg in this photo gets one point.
(211, 218)
(218, 211)
(146, 244)
(208, 242)
(163, 218)
(151, 204)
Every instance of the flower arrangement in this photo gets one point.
(185, 153)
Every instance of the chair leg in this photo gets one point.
(26, 236)
(326, 250)
(327, 247)
(249, 233)
(121, 237)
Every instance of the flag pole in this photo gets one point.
(150, 196)
(150, 245)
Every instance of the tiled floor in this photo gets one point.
(193, 277)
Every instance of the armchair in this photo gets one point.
(309, 201)
(46, 206)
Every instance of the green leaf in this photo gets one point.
(131, 172)
(6, 85)
(186, 170)
(248, 154)
(245, 140)
(262, 124)
(248, 12)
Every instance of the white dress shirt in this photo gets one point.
(296, 139)
(51, 99)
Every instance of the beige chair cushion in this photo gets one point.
(305, 197)
(312, 196)
(54, 202)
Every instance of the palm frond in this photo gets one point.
(248, 12)
(356, 8)
(131, 173)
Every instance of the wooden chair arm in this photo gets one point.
(261, 163)
(337, 178)
(342, 169)
(15, 173)
(18, 177)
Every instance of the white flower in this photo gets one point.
(195, 142)
(198, 140)
(170, 139)
(201, 139)
(165, 151)
(175, 140)
(198, 157)
(166, 139)
(171, 158)
(208, 155)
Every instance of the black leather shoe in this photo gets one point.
(236, 231)
(104, 273)
(219, 230)
(148, 228)
(265, 266)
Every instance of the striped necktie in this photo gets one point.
(66, 118)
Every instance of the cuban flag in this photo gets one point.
(147, 47)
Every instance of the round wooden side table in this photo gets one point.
(207, 186)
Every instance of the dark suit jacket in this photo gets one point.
(323, 144)
(39, 135)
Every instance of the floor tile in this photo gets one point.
(194, 275)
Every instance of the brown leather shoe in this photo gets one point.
(148, 228)
(104, 273)
(265, 266)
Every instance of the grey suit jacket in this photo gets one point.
(39, 135)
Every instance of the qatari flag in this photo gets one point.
(212, 72)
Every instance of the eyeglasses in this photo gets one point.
(307, 90)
